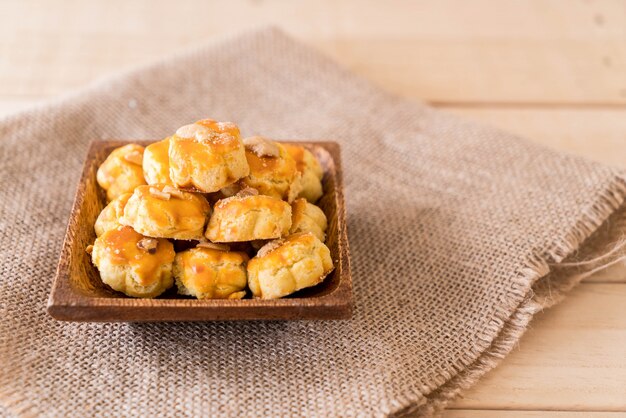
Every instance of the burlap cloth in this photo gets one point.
(453, 228)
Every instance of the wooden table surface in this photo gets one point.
(553, 71)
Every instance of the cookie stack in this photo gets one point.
(219, 216)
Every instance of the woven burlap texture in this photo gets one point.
(453, 229)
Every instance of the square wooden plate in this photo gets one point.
(78, 294)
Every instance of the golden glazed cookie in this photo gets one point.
(247, 218)
(207, 156)
(121, 172)
(285, 266)
(306, 217)
(273, 171)
(135, 265)
(156, 163)
(110, 216)
(211, 272)
(162, 211)
(311, 171)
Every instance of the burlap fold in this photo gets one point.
(454, 229)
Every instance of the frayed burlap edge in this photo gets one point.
(546, 285)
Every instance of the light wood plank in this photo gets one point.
(482, 413)
(444, 19)
(491, 71)
(450, 51)
(599, 134)
(572, 358)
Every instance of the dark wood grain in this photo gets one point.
(78, 294)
